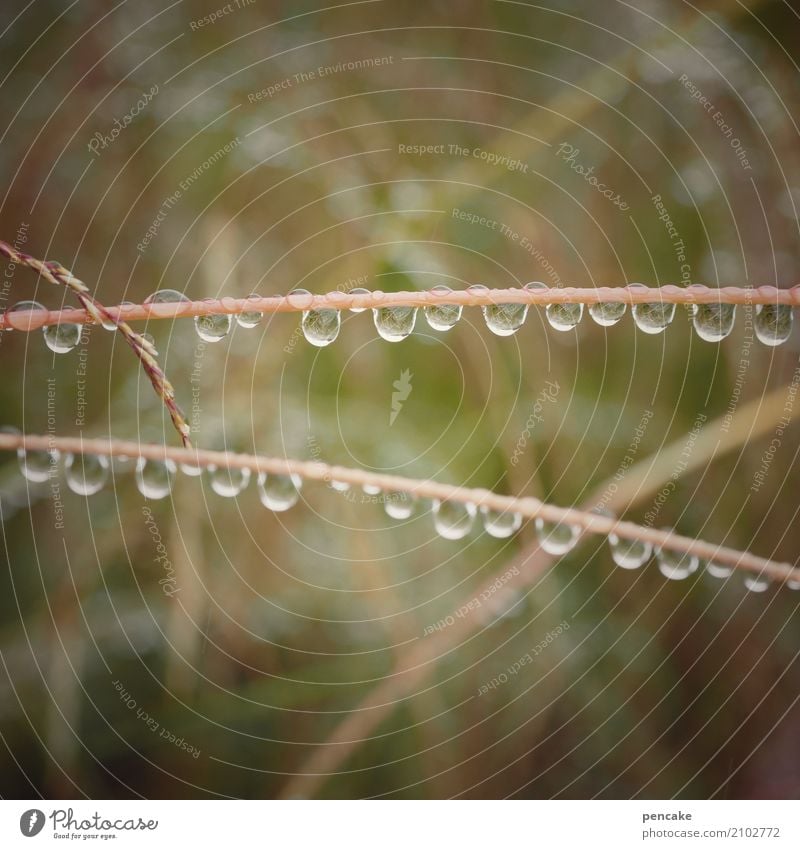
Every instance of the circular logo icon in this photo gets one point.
(31, 822)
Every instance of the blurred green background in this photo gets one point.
(284, 623)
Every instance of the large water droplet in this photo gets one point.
(756, 584)
(676, 565)
(321, 327)
(443, 316)
(166, 296)
(556, 537)
(278, 492)
(399, 505)
(500, 524)
(564, 317)
(608, 313)
(394, 323)
(502, 319)
(62, 338)
(250, 318)
(37, 466)
(358, 291)
(17, 322)
(652, 317)
(191, 470)
(773, 323)
(212, 328)
(629, 553)
(718, 571)
(452, 519)
(86, 474)
(228, 481)
(154, 477)
(713, 322)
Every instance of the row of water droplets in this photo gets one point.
(87, 474)
(712, 322)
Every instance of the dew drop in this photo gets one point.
(443, 316)
(500, 523)
(629, 553)
(212, 328)
(358, 291)
(370, 489)
(62, 338)
(793, 585)
(321, 327)
(556, 537)
(452, 519)
(86, 474)
(502, 319)
(713, 322)
(718, 571)
(394, 323)
(564, 317)
(250, 318)
(278, 492)
(399, 505)
(37, 466)
(676, 565)
(166, 296)
(339, 486)
(228, 481)
(773, 323)
(31, 323)
(654, 317)
(756, 584)
(190, 470)
(154, 477)
(607, 314)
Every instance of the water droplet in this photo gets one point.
(339, 486)
(321, 327)
(676, 565)
(154, 477)
(793, 585)
(212, 328)
(399, 505)
(86, 474)
(228, 481)
(502, 319)
(452, 519)
(166, 296)
(394, 323)
(773, 323)
(608, 313)
(713, 322)
(62, 338)
(443, 316)
(556, 537)
(30, 323)
(37, 466)
(370, 489)
(652, 317)
(564, 317)
(278, 492)
(148, 337)
(190, 470)
(717, 571)
(358, 291)
(500, 524)
(756, 584)
(629, 553)
(250, 318)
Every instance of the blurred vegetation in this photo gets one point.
(284, 622)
